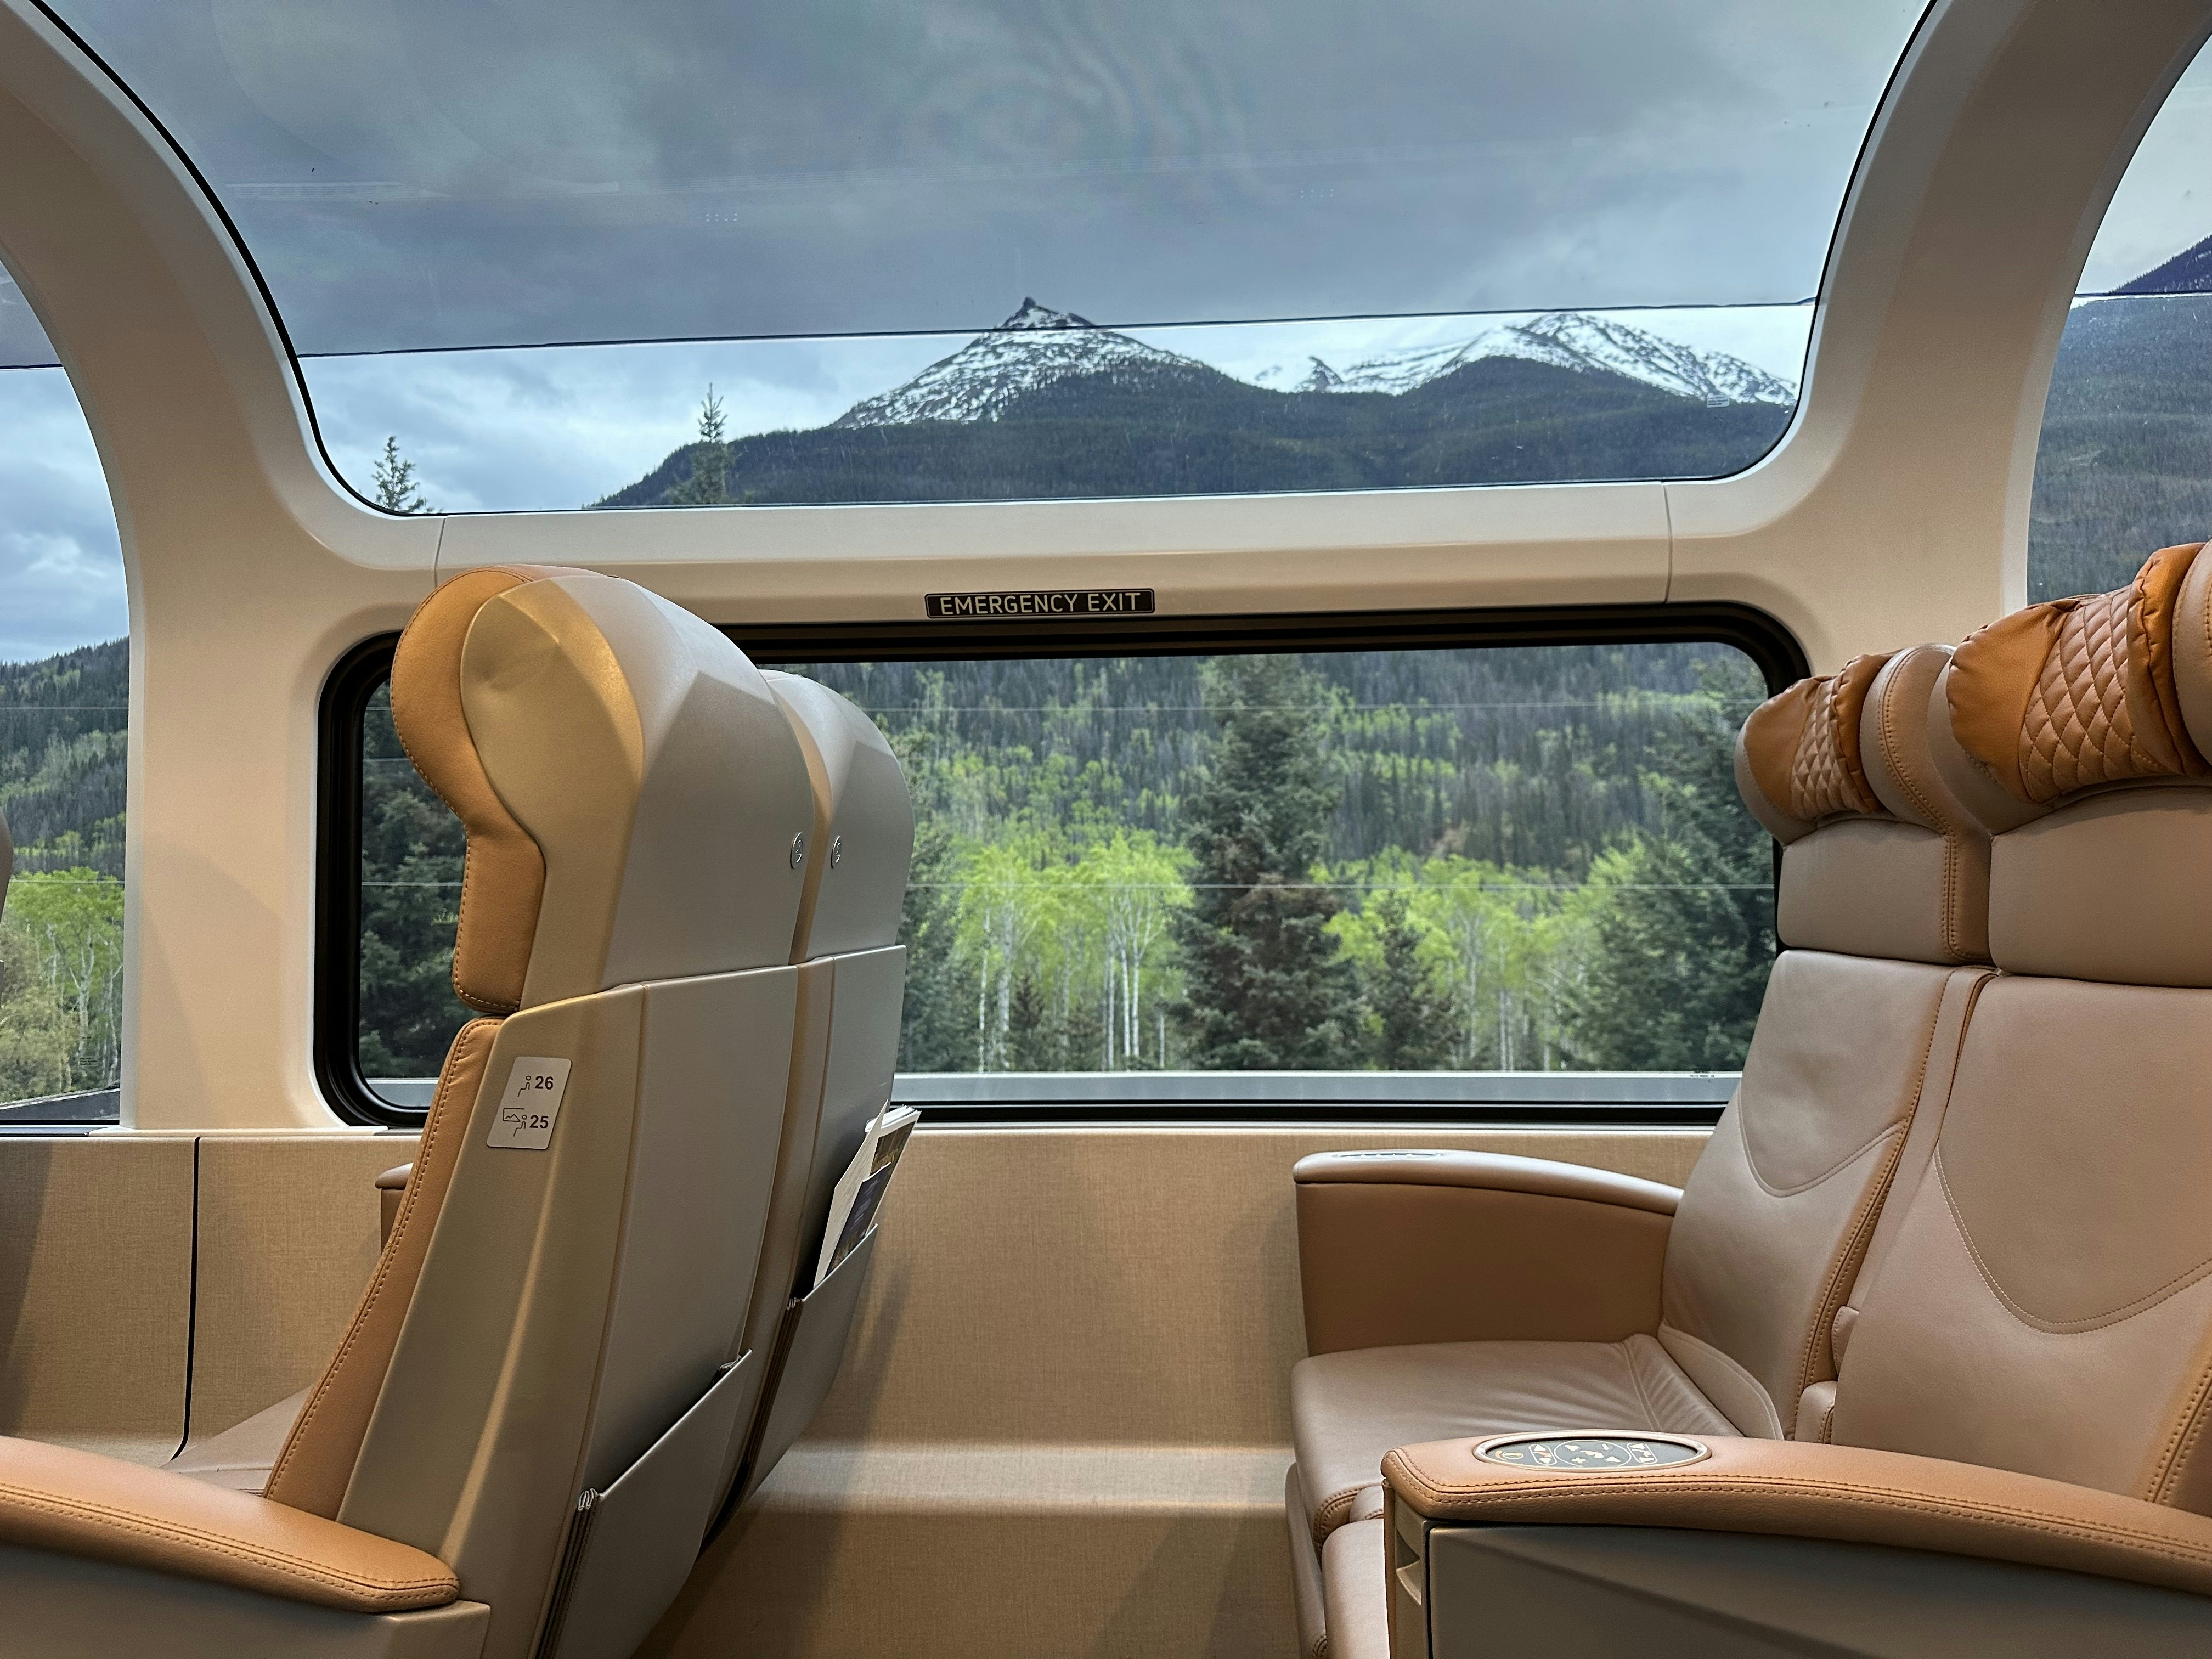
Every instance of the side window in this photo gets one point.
(2125, 461)
(1487, 860)
(64, 715)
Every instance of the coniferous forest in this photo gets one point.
(1514, 858)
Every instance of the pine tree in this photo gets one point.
(1683, 947)
(709, 484)
(1265, 987)
(1034, 1038)
(393, 479)
(1417, 1020)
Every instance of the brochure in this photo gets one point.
(859, 1193)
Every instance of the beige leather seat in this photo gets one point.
(852, 979)
(522, 1426)
(2026, 1362)
(1465, 1294)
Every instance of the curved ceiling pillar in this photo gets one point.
(227, 528)
(1896, 510)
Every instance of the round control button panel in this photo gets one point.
(1595, 1452)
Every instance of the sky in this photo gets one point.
(415, 174)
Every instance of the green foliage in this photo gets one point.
(64, 741)
(393, 479)
(707, 483)
(1266, 989)
(1410, 1011)
(1682, 948)
(2124, 466)
(411, 854)
(35, 1036)
(61, 980)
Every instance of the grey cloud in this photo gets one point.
(426, 173)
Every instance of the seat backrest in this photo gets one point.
(1882, 910)
(852, 985)
(573, 1256)
(2044, 1301)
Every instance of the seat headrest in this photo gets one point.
(629, 787)
(863, 836)
(2084, 694)
(1798, 760)
(2076, 731)
(1881, 859)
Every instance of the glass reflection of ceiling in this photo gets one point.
(463, 173)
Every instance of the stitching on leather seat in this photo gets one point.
(2125, 1311)
(1756, 1486)
(222, 1544)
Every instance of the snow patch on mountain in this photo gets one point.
(1564, 339)
(1037, 347)
(1031, 349)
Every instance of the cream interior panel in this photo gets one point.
(288, 1235)
(95, 1292)
(1069, 1380)
(1132, 1286)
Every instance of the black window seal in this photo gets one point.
(354, 677)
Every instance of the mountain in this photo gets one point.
(1033, 349)
(63, 721)
(2189, 271)
(2124, 463)
(1038, 347)
(1567, 339)
(1049, 404)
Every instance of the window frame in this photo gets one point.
(359, 672)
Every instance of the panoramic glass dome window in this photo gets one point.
(668, 253)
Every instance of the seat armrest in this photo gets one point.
(1493, 1172)
(77, 1502)
(1409, 1247)
(391, 1193)
(1847, 1494)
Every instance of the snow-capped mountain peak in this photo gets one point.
(1037, 347)
(1567, 339)
(1031, 349)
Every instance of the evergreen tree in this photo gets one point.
(393, 478)
(709, 484)
(934, 1034)
(1685, 940)
(1416, 1020)
(1036, 1037)
(1265, 987)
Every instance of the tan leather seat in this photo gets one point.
(2025, 1360)
(528, 1410)
(852, 978)
(1462, 1294)
(2044, 1302)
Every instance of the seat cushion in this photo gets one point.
(1347, 1409)
(241, 1457)
(1355, 1570)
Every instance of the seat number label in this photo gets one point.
(531, 1105)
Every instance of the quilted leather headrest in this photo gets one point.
(2083, 694)
(629, 786)
(1879, 857)
(1798, 761)
(2076, 731)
